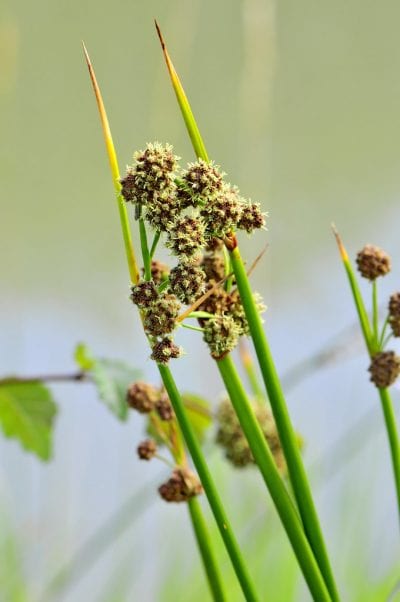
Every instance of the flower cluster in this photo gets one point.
(231, 437)
(373, 262)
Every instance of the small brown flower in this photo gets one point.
(221, 333)
(160, 318)
(182, 485)
(165, 350)
(394, 314)
(164, 407)
(186, 236)
(147, 449)
(373, 262)
(144, 294)
(251, 217)
(384, 369)
(186, 281)
(142, 397)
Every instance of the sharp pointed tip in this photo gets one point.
(85, 52)
(339, 241)
(160, 36)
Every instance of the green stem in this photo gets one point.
(359, 303)
(375, 315)
(208, 484)
(190, 327)
(252, 377)
(382, 337)
(265, 461)
(393, 436)
(154, 244)
(145, 249)
(297, 474)
(206, 551)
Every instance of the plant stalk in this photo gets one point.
(393, 436)
(206, 551)
(210, 488)
(266, 463)
(297, 473)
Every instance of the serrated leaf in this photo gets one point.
(27, 412)
(199, 414)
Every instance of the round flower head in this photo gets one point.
(186, 236)
(186, 281)
(151, 174)
(160, 318)
(373, 262)
(142, 397)
(251, 217)
(394, 314)
(182, 485)
(165, 350)
(144, 294)
(384, 369)
(147, 449)
(162, 209)
(221, 333)
(222, 214)
(203, 181)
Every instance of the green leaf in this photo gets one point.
(111, 378)
(199, 414)
(27, 412)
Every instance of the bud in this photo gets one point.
(384, 369)
(373, 262)
(165, 350)
(147, 449)
(142, 397)
(182, 485)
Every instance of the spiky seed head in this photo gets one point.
(235, 309)
(251, 218)
(182, 485)
(159, 271)
(221, 333)
(222, 214)
(164, 350)
(128, 186)
(164, 407)
(186, 236)
(144, 294)
(187, 282)
(394, 314)
(160, 318)
(142, 397)
(203, 181)
(384, 369)
(213, 265)
(162, 209)
(147, 449)
(373, 262)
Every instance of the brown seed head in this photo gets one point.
(373, 262)
(384, 369)
(164, 407)
(144, 294)
(394, 314)
(142, 397)
(165, 350)
(186, 281)
(160, 318)
(182, 485)
(147, 449)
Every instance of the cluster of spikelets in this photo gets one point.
(195, 209)
(231, 438)
(182, 484)
(373, 262)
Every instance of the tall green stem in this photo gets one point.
(265, 461)
(375, 315)
(145, 249)
(298, 477)
(206, 551)
(393, 436)
(209, 485)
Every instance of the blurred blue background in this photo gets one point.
(299, 102)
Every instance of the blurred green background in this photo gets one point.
(299, 102)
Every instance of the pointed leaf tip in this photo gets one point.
(340, 244)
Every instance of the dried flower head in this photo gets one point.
(147, 449)
(160, 318)
(231, 437)
(394, 314)
(203, 181)
(373, 262)
(142, 397)
(251, 217)
(182, 485)
(144, 294)
(222, 214)
(221, 333)
(186, 281)
(162, 208)
(186, 236)
(164, 407)
(384, 369)
(165, 350)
